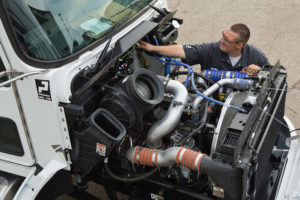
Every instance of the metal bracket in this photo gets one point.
(20, 75)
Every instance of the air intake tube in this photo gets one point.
(133, 97)
(171, 119)
(144, 87)
(193, 160)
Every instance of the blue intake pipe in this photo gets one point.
(216, 75)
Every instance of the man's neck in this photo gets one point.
(234, 53)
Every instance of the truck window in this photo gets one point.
(9, 137)
(51, 30)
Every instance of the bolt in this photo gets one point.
(65, 129)
(60, 109)
(62, 119)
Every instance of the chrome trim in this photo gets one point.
(20, 77)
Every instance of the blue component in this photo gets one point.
(167, 69)
(212, 74)
(219, 75)
(216, 75)
(224, 76)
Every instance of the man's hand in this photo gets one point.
(174, 51)
(252, 70)
(146, 46)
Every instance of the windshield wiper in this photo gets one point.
(160, 11)
(104, 52)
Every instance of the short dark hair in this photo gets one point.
(242, 30)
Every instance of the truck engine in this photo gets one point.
(216, 135)
(82, 102)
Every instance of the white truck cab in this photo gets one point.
(77, 97)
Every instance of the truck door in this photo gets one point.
(15, 145)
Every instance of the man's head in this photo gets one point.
(234, 38)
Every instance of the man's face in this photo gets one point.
(229, 41)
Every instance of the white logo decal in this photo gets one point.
(45, 86)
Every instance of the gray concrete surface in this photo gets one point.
(274, 25)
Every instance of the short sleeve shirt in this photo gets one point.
(209, 55)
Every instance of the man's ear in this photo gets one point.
(240, 45)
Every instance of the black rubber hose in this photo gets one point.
(128, 179)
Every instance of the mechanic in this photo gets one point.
(230, 53)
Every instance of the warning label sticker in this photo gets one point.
(156, 197)
(101, 149)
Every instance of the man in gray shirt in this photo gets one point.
(230, 53)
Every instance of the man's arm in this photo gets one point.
(175, 51)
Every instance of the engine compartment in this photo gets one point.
(133, 121)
